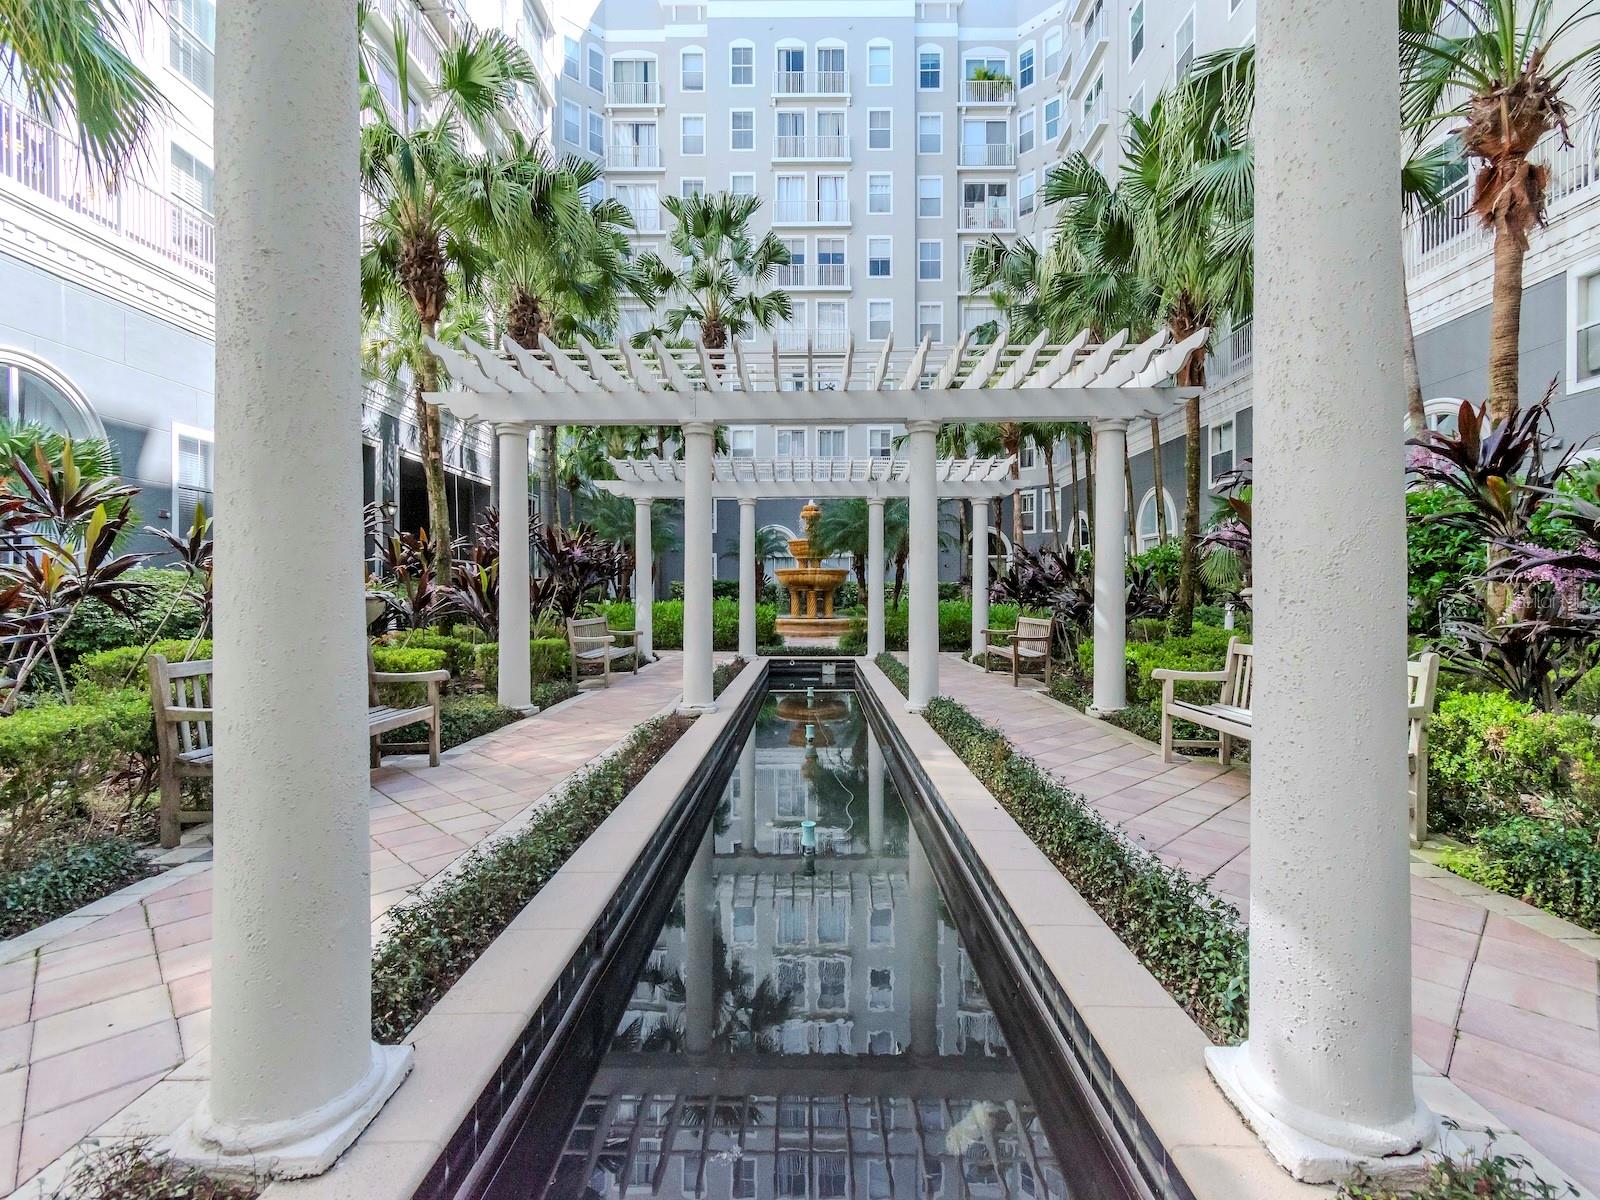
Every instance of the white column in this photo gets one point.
(1110, 568)
(875, 573)
(923, 951)
(980, 575)
(747, 577)
(1325, 1078)
(294, 1072)
(515, 684)
(875, 777)
(697, 437)
(923, 568)
(644, 592)
(747, 794)
(699, 948)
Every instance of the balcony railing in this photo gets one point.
(811, 212)
(646, 218)
(991, 154)
(43, 161)
(790, 275)
(987, 91)
(633, 158)
(830, 147)
(791, 337)
(1094, 117)
(993, 214)
(1233, 352)
(833, 275)
(810, 83)
(633, 92)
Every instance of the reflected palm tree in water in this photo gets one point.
(749, 1013)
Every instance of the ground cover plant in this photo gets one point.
(1485, 1176)
(134, 1170)
(64, 876)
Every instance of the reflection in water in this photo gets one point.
(808, 1024)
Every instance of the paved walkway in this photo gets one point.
(112, 999)
(1505, 999)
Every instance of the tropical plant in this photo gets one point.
(578, 567)
(719, 283)
(772, 543)
(1054, 581)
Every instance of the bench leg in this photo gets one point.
(1166, 737)
(171, 802)
(1016, 661)
(376, 755)
(1224, 750)
(433, 726)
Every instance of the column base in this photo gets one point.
(1094, 710)
(1315, 1149)
(685, 709)
(303, 1146)
(916, 708)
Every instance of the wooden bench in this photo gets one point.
(1032, 641)
(594, 645)
(182, 697)
(1230, 717)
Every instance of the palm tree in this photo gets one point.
(66, 58)
(1424, 177)
(719, 285)
(430, 199)
(772, 543)
(1499, 66)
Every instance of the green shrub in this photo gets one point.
(724, 674)
(1486, 1176)
(897, 672)
(549, 658)
(551, 692)
(955, 626)
(1585, 694)
(96, 626)
(125, 665)
(64, 877)
(459, 654)
(1552, 866)
(135, 1170)
(666, 632)
(405, 660)
(461, 718)
(429, 945)
(1440, 558)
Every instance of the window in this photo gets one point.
(930, 196)
(879, 257)
(880, 438)
(1136, 33)
(689, 1174)
(742, 441)
(741, 66)
(880, 986)
(880, 129)
(930, 261)
(1027, 457)
(1026, 189)
(930, 70)
(1221, 441)
(192, 180)
(597, 69)
(880, 194)
(791, 127)
(791, 1172)
(691, 187)
(31, 393)
(571, 123)
(830, 266)
(880, 324)
(830, 442)
(1025, 131)
(1025, 67)
(1136, 105)
(1183, 45)
(880, 66)
(930, 322)
(830, 70)
(1028, 500)
(194, 38)
(744, 1178)
(930, 133)
(569, 58)
(597, 133)
(831, 973)
(692, 131)
(1147, 529)
(692, 72)
(831, 331)
(1584, 342)
(742, 184)
(192, 480)
(791, 443)
(1052, 119)
(742, 129)
(1052, 53)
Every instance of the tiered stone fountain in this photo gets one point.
(810, 586)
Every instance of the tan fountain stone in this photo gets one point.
(811, 586)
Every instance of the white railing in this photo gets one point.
(833, 275)
(43, 161)
(991, 154)
(986, 91)
(646, 218)
(811, 83)
(633, 158)
(633, 91)
(811, 212)
(1094, 115)
(788, 83)
(1094, 32)
(826, 146)
(832, 83)
(790, 275)
(993, 214)
(1233, 352)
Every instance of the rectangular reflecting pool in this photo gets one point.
(802, 1018)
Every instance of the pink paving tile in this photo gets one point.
(14, 1007)
(1572, 1147)
(75, 991)
(185, 960)
(10, 1144)
(170, 910)
(1445, 938)
(13, 1095)
(191, 994)
(74, 960)
(75, 1076)
(79, 1027)
(126, 920)
(1537, 1082)
(18, 974)
(46, 1137)
(1547, 1037)
(182, 933)
(1432, 1041)
(1441, 912)
(1552, 961)
(1573, 1005)
(1437, 966)
(15, 1045)
(439, 843)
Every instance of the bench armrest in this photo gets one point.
(1165, 673)
(630, 634)
(186, 714)
(1418, 712)
(606, 639)
(410, 676)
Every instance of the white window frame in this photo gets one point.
(1048, 136)
(924, 278)
(1032, 52)
(733, 182)
(683, 74)
(939, 198)
(888, 430)
(938, 307)
(871, 304)
(1136, 25)
(1140, 544)
(732, 66)
(1177, 33)
(195, 433)
(576, 110)
(880, 45)
(938, 54)
(791, 431)
(1033, 131)
(880, 212)
(888, 129)
(572, 57)
(872, 257)
(1028, 196)
(938, 120)
(683, 149)
(686, 180)
(844, 435)
(1577, 276)
(1213, 431)
(592, 118)
(1028, 509)
(733, 145)
(596, 62)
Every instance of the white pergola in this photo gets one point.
(747, 480)
(1107, 383)
(1325, 1077)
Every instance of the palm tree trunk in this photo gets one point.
(1133, 513)
(1155, 465)
(1416, 414)
(1191, 374)
(1010, 438)
(1055, 498)
(548, 436)
(1072, 449)
(1505, 324)
(430, 428)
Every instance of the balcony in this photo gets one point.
(790, 337)
(833, 275)
(789, 275)
(993, 216)
(633, 158)
(1091, 52)
(633, 93)
(811, 83)
(1094, 121)
(1232, 353)
(811, 212)
(826, 148)
(646, 218)
(988, 91)
(39, 159)
(990, 154)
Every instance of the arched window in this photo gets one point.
(1078, 534)
(1146, 528)
(1443, 414)
(36, 393)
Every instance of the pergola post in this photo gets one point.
(980, 576)
(1110, 568)
(515, 678)
(697, 501)
(875, 573)
(644, 573)
(923, 568)
(295, 1074)
(1325, 1078)
(747, 577)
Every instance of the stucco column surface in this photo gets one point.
(295, 1075)
(515, 683)
(699, 949)
(980, 575)
(747, 797)
(747, 577)
(1325, 1077)
(875, 573)
(875, 779)
(1110, 568)
(697, 501)
(644, 592)
(923, 567)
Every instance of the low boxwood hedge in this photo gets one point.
(666, 631)
(461, 718)
(64, 877)
(124, 666)
(1552, 866)
(955, 626)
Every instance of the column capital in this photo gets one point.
(877, 501)
(923, 426)
(747, 501)
(513, 428)
(693, 427)
(643, 502)
(1110, 424)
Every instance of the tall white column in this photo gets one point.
(980, 575)
(644, 592)
(747, 577)
(747, 794)
(294, 1071)
(875, 573)
(515, 683)
(1110, 568)
(923, 567)
(875, 777)
(1325, 1078)
(923, 952)
(699, 949)
(697, 437)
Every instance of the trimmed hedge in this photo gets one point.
(459, 654)
(65, 877)
(96, 626)
(666, 631)
(429, 944)
(955, 626)
(461, 718)
(405, 660)
(124, 666)
(549, 658)
(724, 674)
(1552, 866)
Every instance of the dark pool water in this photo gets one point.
(808, 1023)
